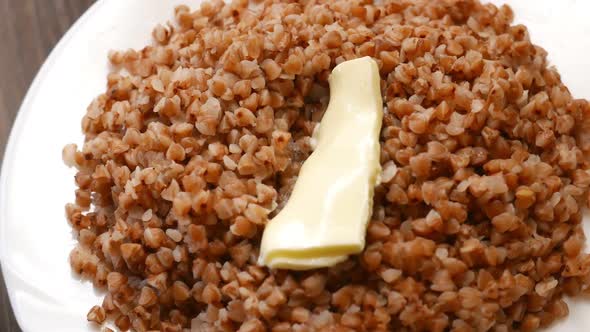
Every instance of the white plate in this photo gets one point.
(35, 239)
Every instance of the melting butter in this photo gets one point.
(326, 217)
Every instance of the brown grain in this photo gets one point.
(476, 225)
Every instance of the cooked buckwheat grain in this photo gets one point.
(194, 146)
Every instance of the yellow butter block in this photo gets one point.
(326, 217)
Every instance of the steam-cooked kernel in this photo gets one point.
(481, 117)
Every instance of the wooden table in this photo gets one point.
(29, 29)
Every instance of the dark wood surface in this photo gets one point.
(28, 29)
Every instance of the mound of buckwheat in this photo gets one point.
(199, 138)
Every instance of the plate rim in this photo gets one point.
(22, 115)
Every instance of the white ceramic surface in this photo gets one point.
(35, 238)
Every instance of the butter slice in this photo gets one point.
(305, 263)
(326, 217)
